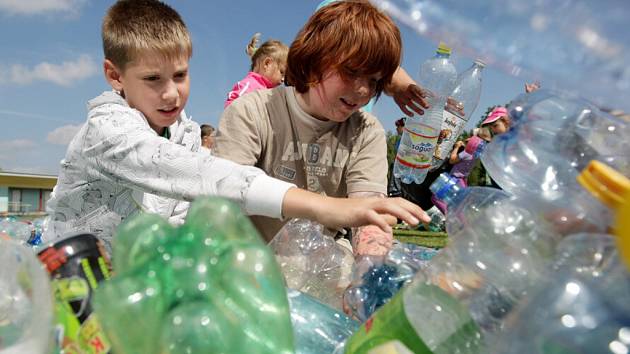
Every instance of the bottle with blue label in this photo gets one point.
(419, 139)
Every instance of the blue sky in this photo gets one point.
(50, 66)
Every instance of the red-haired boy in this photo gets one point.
(313, 133)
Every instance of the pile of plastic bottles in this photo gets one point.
(505, 246)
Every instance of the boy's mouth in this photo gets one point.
(348, 104)
(168, 111)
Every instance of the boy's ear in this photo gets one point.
(113, 75)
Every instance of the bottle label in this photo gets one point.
(443, 322)
(417, 146)
(452, 126)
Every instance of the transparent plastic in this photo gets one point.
(26, 302)
(581, 308)
(378, 279)
(313, 262)
(318, 328)
(580, 45)
(553, 137)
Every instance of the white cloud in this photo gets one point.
(63, 135)
(36, 7)
(64, 74)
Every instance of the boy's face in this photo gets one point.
(336, 98)
(156, 86)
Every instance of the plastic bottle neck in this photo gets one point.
(446, 188)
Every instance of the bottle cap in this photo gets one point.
(605, 183)
(622, 230)
(444, 49)
(480, 62)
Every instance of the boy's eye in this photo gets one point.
(181, 75)
(152, 78)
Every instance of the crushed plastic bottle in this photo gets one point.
(318, 328)
(210, 286)
(313, 262)
(466, 96)
(26, 304)
(419, 139)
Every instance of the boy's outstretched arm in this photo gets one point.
(340, 212)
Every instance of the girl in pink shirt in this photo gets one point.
(269, 63)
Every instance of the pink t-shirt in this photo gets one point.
(252, 82)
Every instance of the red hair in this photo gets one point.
(352, 37)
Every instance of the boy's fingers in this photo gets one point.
(381, 220)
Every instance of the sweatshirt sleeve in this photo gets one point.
(120, 147)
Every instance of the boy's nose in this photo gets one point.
(170, 91)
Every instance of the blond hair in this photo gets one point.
(272, 48)
(134, 27)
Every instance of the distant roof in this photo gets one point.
(23, 174)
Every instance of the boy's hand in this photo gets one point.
(338, 212)
(411, 98)
(407, 94)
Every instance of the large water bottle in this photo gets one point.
(581, 308)
(419, 139)
(466, 95)
(458, 303)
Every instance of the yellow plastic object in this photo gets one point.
(605, 184)
(444, 49)
(623, 230)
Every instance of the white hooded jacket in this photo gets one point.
(117, 165)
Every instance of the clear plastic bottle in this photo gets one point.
(419, 139)
(553, 137)
(466, 95)
(459, 199)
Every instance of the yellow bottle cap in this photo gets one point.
(622, 230)
(605, 184)
(444, 49)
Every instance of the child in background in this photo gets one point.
(498, 121)
(313, 132)
(138, 151)
(269, 62)
(207, 136)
